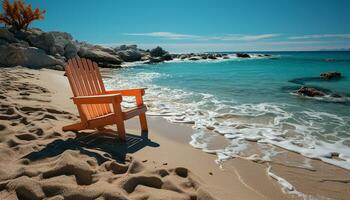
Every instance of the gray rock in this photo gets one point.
(98, 55)
(6, 35)
(130, 55)
(204, 56)
(125, 47)
(52, 42)
(330, 75)
(242, 55)
(310, 92)
(145, 57)
(167, 57)
(70, 50)
(211, 56)
(157, 52)
(182, 57)
(15, 54)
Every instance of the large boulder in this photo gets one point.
(167, 57)
(15, 54)
(125, 47)
(53, 42)
(310, 92)
(157, 52)
(130, 55)
(330, 75)
(71, 50)
(6, 35)
(98, 55)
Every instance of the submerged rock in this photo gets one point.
(330, 75)
(310, 92)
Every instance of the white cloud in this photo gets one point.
(248, 37)
(320, 36)
(227, 37)
(165, 35)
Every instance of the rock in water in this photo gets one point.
(154, 60)
(243, 55)
(310, 92)
(15, 54)
(167, 57)
(157, 52)
(211, 56)
(125, 47)
(330, 75)
(130, 55)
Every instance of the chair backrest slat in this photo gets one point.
(85, 80)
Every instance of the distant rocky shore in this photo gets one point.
(35, 48)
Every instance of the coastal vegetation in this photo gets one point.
(18, 15)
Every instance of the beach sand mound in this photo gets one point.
(39, 161)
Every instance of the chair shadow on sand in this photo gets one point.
(100, 145)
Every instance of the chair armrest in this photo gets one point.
(128, 92)
(98, 99)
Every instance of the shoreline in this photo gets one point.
(171, 153)
(237, 177)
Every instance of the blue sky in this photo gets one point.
(203, 25)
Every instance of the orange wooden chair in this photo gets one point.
(94, 102)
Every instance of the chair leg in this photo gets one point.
(143, 122)
(121, 129)
(74, 127)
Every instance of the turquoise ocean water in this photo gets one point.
(253, 100)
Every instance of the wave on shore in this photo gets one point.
(265, 123)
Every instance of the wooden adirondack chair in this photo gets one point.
(94, 102)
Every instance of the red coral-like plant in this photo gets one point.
(18, 15)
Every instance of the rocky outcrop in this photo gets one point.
(125, 47)
(310, 92)
(52, 42)
(35, 48)
(130, 55)
(7, 36)
(100, 55)
(157, 52)
(18, 54)
(330, 75)
(166, 57)
(55, 48)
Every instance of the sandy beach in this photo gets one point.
(39, 161)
